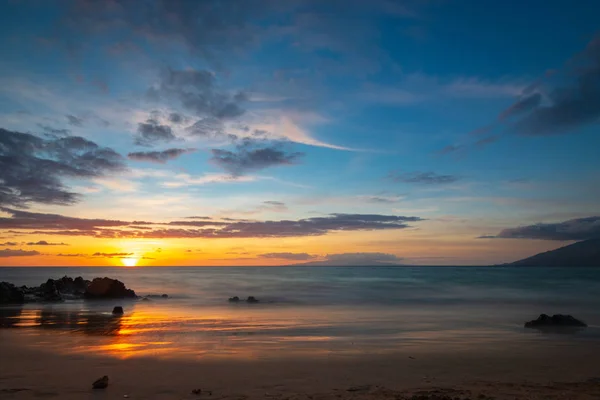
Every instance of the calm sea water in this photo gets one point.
(310, 310)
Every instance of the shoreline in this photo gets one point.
(467, 374)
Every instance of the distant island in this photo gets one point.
(580, 254)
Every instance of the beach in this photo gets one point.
(318, 333)
(551, 372)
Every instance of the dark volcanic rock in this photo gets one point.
(234, 299)
(157, 296)
(101, 383)
(106, 288)
(251, 299)
(9, 293)
(555, 321)
(118, 310)
(66, 288)
(49, 291)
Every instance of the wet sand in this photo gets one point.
(30, 371)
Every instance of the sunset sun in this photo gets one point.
(129, 262)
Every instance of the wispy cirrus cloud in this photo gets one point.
(428, 178)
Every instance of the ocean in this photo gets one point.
(333, 311)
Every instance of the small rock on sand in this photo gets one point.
(118, 310)
(101, 383)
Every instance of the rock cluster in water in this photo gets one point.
(250, 299)
(555, 321)
(65, 288)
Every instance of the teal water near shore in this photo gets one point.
(311, 310)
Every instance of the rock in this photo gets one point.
(145, 299)
(361, 388)
(69, 285)
(157, 296)
(106, 288)
(101, 383)
(251, 299)
(555, 321)
(9, 293)
(234, 299)
(49, 291)
(198, 392)
(118, 310)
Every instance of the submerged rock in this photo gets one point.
(555, 321)
(101, 383)
(9, 293)
(157, 296)
(118, 310)
(106, 288)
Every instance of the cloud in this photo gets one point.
(574, 229)
(160, 157)
(315, 226)
(51, 224)
(188, 180)
(9, 244)
(477, 88)
(208, 127)
(382, 199)
(75, 121)
(33, 170)
(177, 118)
(428, 178)
(45, 243)
(197, 217)
(70, 255)
(197, 92)
(359, 259)
(53, 132)
(18, 253)
(207, 29)
(486, 141)
(525, 104)
(151, 132)
(289, 256)
(271, 205)
(111, 255)
(246, 158)
(574, 104)
(29, 220)
(451, 148)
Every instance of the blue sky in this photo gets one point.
(475, 117)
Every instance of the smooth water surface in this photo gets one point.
(310, 310)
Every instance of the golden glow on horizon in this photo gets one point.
(130, 261)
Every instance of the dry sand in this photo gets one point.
(557, 372)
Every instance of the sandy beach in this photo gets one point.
(28, 371)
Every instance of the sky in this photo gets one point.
(264, 132)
